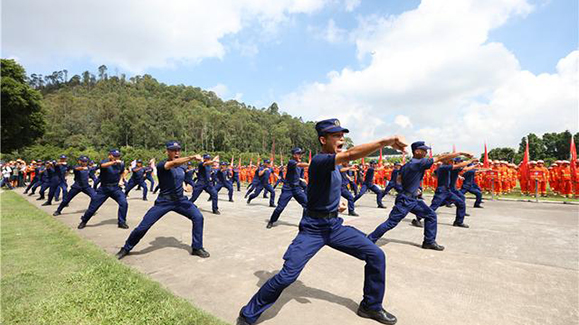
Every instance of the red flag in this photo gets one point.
(239, 163)
(453, 148)
(362, 161)
(486, 160)
(573, 158)
(310, 158)
(380, 162)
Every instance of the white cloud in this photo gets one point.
(330, 33)
(402, 121)
(220, 90)
(333, 33)
(223, 92)
(136, 34)
(352, 4)
(435, 66)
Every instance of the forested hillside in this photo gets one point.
(141, 112)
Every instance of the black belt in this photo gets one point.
(321, 215)
(170, 197)
(406, 193)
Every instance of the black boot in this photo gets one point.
(241, 320)
(122, 253)
(433, 246)
(81, 225)
(417, 223)
(123, 226)
(381, 316)
(201, 252)
(461, 225)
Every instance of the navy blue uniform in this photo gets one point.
(369, 185)
(392, 184)
(264, 185)
(80, 185)
(43, 182)
(137, 178)
(204, 184)
(291, 189)
(188, 178)
(321, 226)
(407, 202)
(54, 180)
(110, 178)
(92, 175)
(45, 179)
(223, 181)
(149, 176)
(254, 182)
(170, 198)
(235, 178)
(61, 170)
(444, 193)
(346, 194)
(352, 182)
(280, 177)
(35, 180)
(469, 185)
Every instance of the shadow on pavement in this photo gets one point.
(283, 223)
(162, 242)
(383, 241)
(104, 222)
(300, 292)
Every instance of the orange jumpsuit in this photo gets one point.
(565, 183)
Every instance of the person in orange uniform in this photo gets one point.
(566, 180)
(544, 179)
(553, 177)
(494, 178)
(535, 177)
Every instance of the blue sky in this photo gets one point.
(293, 51)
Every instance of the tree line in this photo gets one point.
(549, 147)
(96, 112)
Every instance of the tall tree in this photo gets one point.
(22, 119)
(103, 72)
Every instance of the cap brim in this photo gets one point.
(336, 129)
(424, 147)
(174, 148)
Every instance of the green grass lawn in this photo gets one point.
(52, 276)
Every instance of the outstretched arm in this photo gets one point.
(451, 156)
(181, 161)
(396, 141)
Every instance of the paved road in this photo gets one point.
(517, 264)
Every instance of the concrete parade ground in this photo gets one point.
(517, 264)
